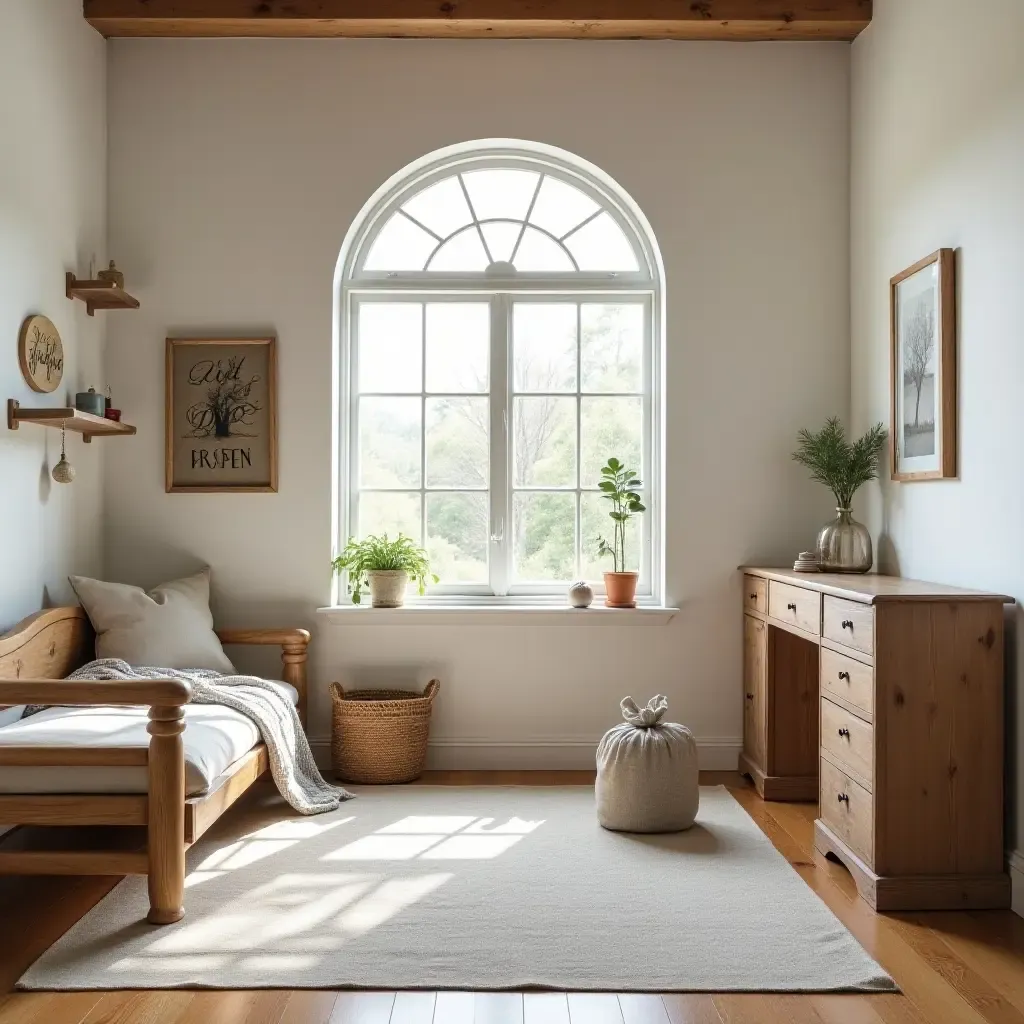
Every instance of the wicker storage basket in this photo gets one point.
(380, 736)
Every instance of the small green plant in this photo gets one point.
(381, 554)
(618, 485)
(841, 466)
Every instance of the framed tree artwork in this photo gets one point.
(923, 370)
(221, 415)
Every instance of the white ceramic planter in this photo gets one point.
(387, 587)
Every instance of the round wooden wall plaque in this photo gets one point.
(41, 354)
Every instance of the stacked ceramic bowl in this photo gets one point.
(806, 562)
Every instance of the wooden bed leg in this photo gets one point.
(166, 815)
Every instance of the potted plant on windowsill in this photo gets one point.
(386, 566)
(618, 484)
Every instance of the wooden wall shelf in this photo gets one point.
(98, 294)
(75, 420)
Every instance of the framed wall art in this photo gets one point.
(923, 370)
(221, 415)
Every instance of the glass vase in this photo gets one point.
(844, 545)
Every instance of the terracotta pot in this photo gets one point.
(620, 589)
(387, 587)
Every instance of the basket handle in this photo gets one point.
(432, 689)
(338, 691)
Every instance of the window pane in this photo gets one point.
(464, 252)
(560, 207)
(391, 512)
(389, 442)
(457, 531)
(500, 193)
(544, 442)
(545, 536)
(601, 245)
(390, 346)
(610, 426)
(539, 254)
(457, 453)
(544, 346)
(594, 523)
(441, 207)
(611, 347)
(501, 239)
(401, 245)
(458, 346)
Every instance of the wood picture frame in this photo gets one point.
(221, 415)
(923, 370)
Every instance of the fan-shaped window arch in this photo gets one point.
(500, 315)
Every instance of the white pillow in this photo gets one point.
(170, 627)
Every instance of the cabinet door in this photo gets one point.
(755, 660)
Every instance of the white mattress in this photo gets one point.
(215, 737)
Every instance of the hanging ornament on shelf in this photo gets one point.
(63, 472)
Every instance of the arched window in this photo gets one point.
(499, 324)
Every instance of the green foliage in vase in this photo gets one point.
(840, 465)
(618, 484)
(381, 554)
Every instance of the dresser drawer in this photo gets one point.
(849, 623)
(755, 594)
(851, 680)
(800, 607)
(846, 808)
(848, 739)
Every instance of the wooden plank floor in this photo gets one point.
(954, 968)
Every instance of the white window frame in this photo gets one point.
(354, 286)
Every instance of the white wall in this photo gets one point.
(938, 160)
(236, 168)
(52, 219)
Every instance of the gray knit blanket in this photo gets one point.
(291, 761)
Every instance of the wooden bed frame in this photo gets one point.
(34, 658)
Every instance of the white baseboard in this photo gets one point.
(1017, 880)
(538, 754)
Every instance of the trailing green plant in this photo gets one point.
(841, 466)
(618, 484)
(381, 554)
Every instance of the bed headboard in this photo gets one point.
(48, 645)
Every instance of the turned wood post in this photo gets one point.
(166, 814)
(293, 656)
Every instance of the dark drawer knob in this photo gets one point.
(848, 624)
(843, 798)
(844, 675)
(750, 696)
(753, 597)
(791, 607)
(844, 732)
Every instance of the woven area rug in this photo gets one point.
(473, 888)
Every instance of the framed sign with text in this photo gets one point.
(221, 415)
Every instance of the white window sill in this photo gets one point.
(497, 615)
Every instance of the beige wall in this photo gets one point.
(236, 168)
(52, 219)
(938, 160)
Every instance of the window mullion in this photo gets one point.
(501, 510)
(423, 424)
(579, 440)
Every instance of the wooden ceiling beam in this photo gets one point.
(509, 19)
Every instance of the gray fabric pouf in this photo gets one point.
(647, 772)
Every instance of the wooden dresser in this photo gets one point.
(883, 697)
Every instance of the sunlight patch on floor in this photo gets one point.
(437, 838)
(388, 900)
